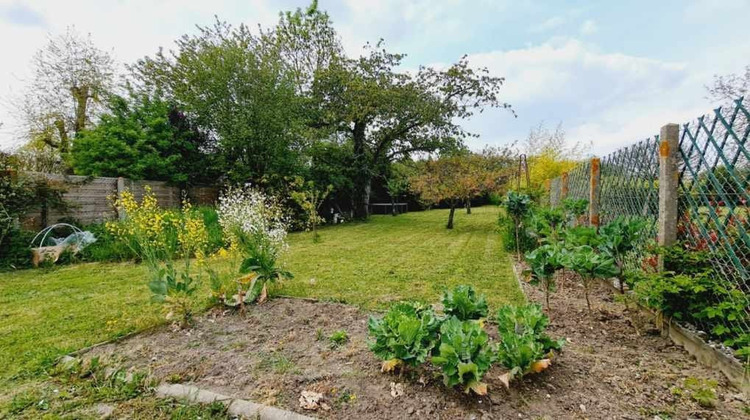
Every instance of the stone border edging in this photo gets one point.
(697, 347)
(235, 406)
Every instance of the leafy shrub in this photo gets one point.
(14, 250)
(524, 346)
(518, 206)
(682, 259)
(544, 263)
(619, 237)
(701, 300)
(590, 265)
(464, 303)
(214, 231)
(575, 209)
(508, 232)
(404, 336)
(107, 247)
(465, 355)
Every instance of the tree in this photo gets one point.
(71, 79)
(454, 179)
(388, 115)
(729, 87)
(549, 153)
(144, 137)
(235, 85)
(309, 197)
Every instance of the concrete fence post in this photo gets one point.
(669, 149)
(563, 186)
(594, 192)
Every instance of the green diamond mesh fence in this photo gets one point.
(578, 181)
(714, 191)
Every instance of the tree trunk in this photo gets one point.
(468, 206)
(393, 206)
(81, 95)
(363, 178)
(450, 216)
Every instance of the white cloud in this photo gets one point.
(608, 99)
(547, 25)
(588, 27)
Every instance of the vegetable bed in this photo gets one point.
(616, 365)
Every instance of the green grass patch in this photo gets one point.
(46, 313)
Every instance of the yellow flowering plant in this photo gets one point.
(160, 237)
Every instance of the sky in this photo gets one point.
(611, 72)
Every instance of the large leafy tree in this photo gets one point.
(389, 115)
(144, 138)
(234, 85)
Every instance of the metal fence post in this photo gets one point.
(669, 149)
(594, 187)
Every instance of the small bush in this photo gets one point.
(465, 355)
(14, 250)
(107, 246)
(464, 303)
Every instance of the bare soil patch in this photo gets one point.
(616, 365)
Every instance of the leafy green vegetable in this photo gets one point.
(527, 319)
(465, 355)
(405, 335)
(524, 346)
(582, 235)
(464, 303)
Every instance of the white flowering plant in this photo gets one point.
(256, 228)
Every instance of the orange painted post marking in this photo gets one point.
(594, 183)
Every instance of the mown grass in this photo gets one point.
(46, 313)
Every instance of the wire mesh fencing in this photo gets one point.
(713, 166)
(714, 191)
(578, 181)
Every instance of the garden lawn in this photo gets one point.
(46, 313)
